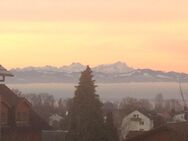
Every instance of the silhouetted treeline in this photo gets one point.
(46, 105)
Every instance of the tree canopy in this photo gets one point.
(86, 117)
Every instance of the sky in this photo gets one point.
(142, 33)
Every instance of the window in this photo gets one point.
(4, 117)
(141, 122)
(136, 116)
(21, 116)
(3, 114)
(18, 116)
(24, 116)
(22, 113)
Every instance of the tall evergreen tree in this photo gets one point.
(86, 118)
(111, 132)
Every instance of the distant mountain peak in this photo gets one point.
(74, 67)
(117, 67)
(76, 63)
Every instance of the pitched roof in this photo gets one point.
(4, 71)
(36, 121)
(145, 113)
(9, 95)
(179, 131)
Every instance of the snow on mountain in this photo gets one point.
(128, 74)
(74, 67)
(118, 67)
(117, 72)
(163, 76)
(39, 69)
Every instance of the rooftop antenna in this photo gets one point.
(182, 95)
(183, 98)
(4, 73)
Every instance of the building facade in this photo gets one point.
(18, 121)
(135, 122)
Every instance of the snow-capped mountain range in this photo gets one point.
(118, 67)
(106, 73)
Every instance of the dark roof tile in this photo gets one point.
(179, 130)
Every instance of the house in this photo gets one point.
(54, 120)
(168, 132)
(134, 123)
(180, 117)
(18, 121)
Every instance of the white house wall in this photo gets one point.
(129, 125)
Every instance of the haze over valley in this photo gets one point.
(115, 81)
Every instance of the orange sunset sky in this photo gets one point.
(143, 33)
